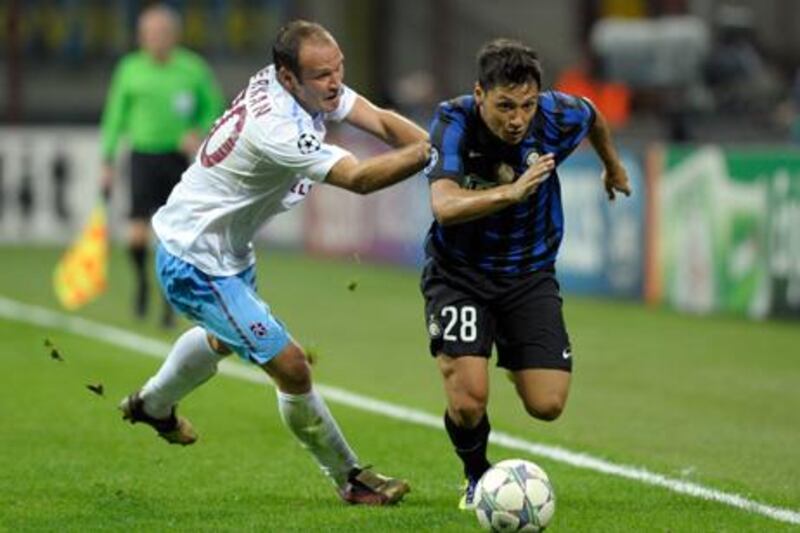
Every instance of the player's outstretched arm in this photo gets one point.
(615, 177)
(392, 128)
(381, 171)
(453, 205)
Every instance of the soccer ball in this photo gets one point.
(515, 495)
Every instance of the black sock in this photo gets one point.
(138, 255)
(470, 445)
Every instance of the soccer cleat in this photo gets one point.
(174, 429)
(366, 487)
(469, 499)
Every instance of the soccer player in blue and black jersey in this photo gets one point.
(489, 279)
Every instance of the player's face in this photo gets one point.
(321, 76)
(507, 110)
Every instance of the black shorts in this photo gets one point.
(467, 312)
(153, 176)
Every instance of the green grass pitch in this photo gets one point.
(712, 401)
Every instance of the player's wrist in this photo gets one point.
(509, 194)
(611, 163)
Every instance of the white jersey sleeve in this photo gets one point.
(303, 151)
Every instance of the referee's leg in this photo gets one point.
(139, 230)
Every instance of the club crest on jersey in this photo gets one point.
(434, 329)
(505, 173)
(258, 329)
(432, 161)
(308, 143)
(532, 157)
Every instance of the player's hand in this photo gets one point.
(530, 180)
(615, 179)
(106, 180)
(424, 152)
(190, 143)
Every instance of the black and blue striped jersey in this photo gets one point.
(523, 237)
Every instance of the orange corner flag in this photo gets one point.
(81, 274)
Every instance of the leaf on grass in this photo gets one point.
(54, 352)
(96, 388)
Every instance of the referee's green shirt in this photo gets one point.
(155, 104)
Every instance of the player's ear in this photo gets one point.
(286, 77)
(478, 93)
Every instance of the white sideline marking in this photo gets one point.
(40, 316)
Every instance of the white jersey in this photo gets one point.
(260, 159)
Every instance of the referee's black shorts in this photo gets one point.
(153, 177)
(467, 312)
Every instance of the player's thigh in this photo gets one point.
(543, 391)
(531, 332)
(458, 321)
(229, 308)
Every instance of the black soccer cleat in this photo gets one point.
(173, 429)
(365, 487)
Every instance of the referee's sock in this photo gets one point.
(470, 445)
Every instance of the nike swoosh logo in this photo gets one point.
(566, 354)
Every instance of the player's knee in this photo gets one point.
(469, 409)
(546, 408)
(295, 373)
(219, 347)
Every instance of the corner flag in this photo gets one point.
(80, 276)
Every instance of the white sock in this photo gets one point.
(307, 416)
(190, 363)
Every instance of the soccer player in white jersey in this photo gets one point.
(261, 158)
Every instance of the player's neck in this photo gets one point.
(162, 58)
(307, 108)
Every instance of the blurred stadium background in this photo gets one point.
(704, 98)
(703, 95)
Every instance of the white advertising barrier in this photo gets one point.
(49, 182)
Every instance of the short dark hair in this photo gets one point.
(507, 62)
(286, 48)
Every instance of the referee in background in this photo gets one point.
(163, 98)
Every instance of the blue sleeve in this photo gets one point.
(569, 121)
(447, 132)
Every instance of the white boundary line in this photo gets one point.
(13, 310)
